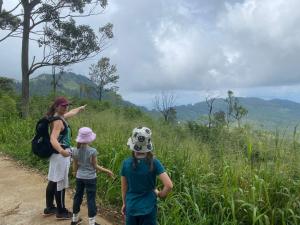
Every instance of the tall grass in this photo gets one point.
(221, 176)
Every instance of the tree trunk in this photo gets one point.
(1, 2)
(25, 66)
(100, 93)
(54, 82)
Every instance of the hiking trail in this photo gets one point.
(22, 195)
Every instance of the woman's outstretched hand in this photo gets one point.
(82, 108)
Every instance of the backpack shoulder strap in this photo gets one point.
(54, 118)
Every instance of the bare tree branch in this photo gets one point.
(10, 11)
(165, 104)
(8, 35)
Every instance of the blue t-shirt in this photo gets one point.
(140, 196)
(85, 167)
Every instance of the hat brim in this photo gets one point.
(144, 148)
(87, 139)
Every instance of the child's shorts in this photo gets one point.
(149, 219)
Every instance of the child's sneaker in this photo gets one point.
(64, 215)
(49, 211)
(78, 222)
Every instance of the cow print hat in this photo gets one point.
(140, 140)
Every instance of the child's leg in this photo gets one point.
(91, 199)
(131, 220)
(78, 195)
(149, 219)
(90, 185)
(50, 192)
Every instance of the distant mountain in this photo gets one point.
(269, 114)
(266, 114)
(70, 84)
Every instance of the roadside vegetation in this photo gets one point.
(222, 174)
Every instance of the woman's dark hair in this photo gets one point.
(51, 110)
(149, 159)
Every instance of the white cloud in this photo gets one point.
(264, 34)
(192, 46)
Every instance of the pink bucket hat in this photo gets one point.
(85, 135)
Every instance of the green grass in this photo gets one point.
(237, 176)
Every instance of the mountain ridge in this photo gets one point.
(269, 114)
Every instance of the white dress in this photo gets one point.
(59, 170)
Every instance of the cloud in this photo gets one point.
(166, 48)
(264, 36)
(196, 46)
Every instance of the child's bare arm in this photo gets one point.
(123, 190)
(100, 168)
(168, 185)
(75, 166)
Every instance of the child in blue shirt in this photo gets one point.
(138, 180)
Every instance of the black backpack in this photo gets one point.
(40, 144)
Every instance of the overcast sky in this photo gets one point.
(194, 48)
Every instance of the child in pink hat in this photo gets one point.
(85, 166)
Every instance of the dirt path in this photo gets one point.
(22, 197)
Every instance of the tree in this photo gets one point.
(51, 24)
(239, 112)
(56, 79)
(85, 90)
(165, 105)
(6, 85)
(104, 75)
(172, 115)
(230, 101)
(210, 103)
(234, 109)
(219, 119)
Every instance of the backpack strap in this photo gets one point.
(54, 118)
(63, 132)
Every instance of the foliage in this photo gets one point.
(235, 110)
(6, 85)
(104, 75)
(220, 175)
(51, 25)
(8, 106)
(219, 119)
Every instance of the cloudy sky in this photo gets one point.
(194, 48)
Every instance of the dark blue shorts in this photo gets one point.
(148, 219)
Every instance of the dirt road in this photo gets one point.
(22, 197)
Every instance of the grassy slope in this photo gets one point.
(220, 176)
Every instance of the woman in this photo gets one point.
(60, 139)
